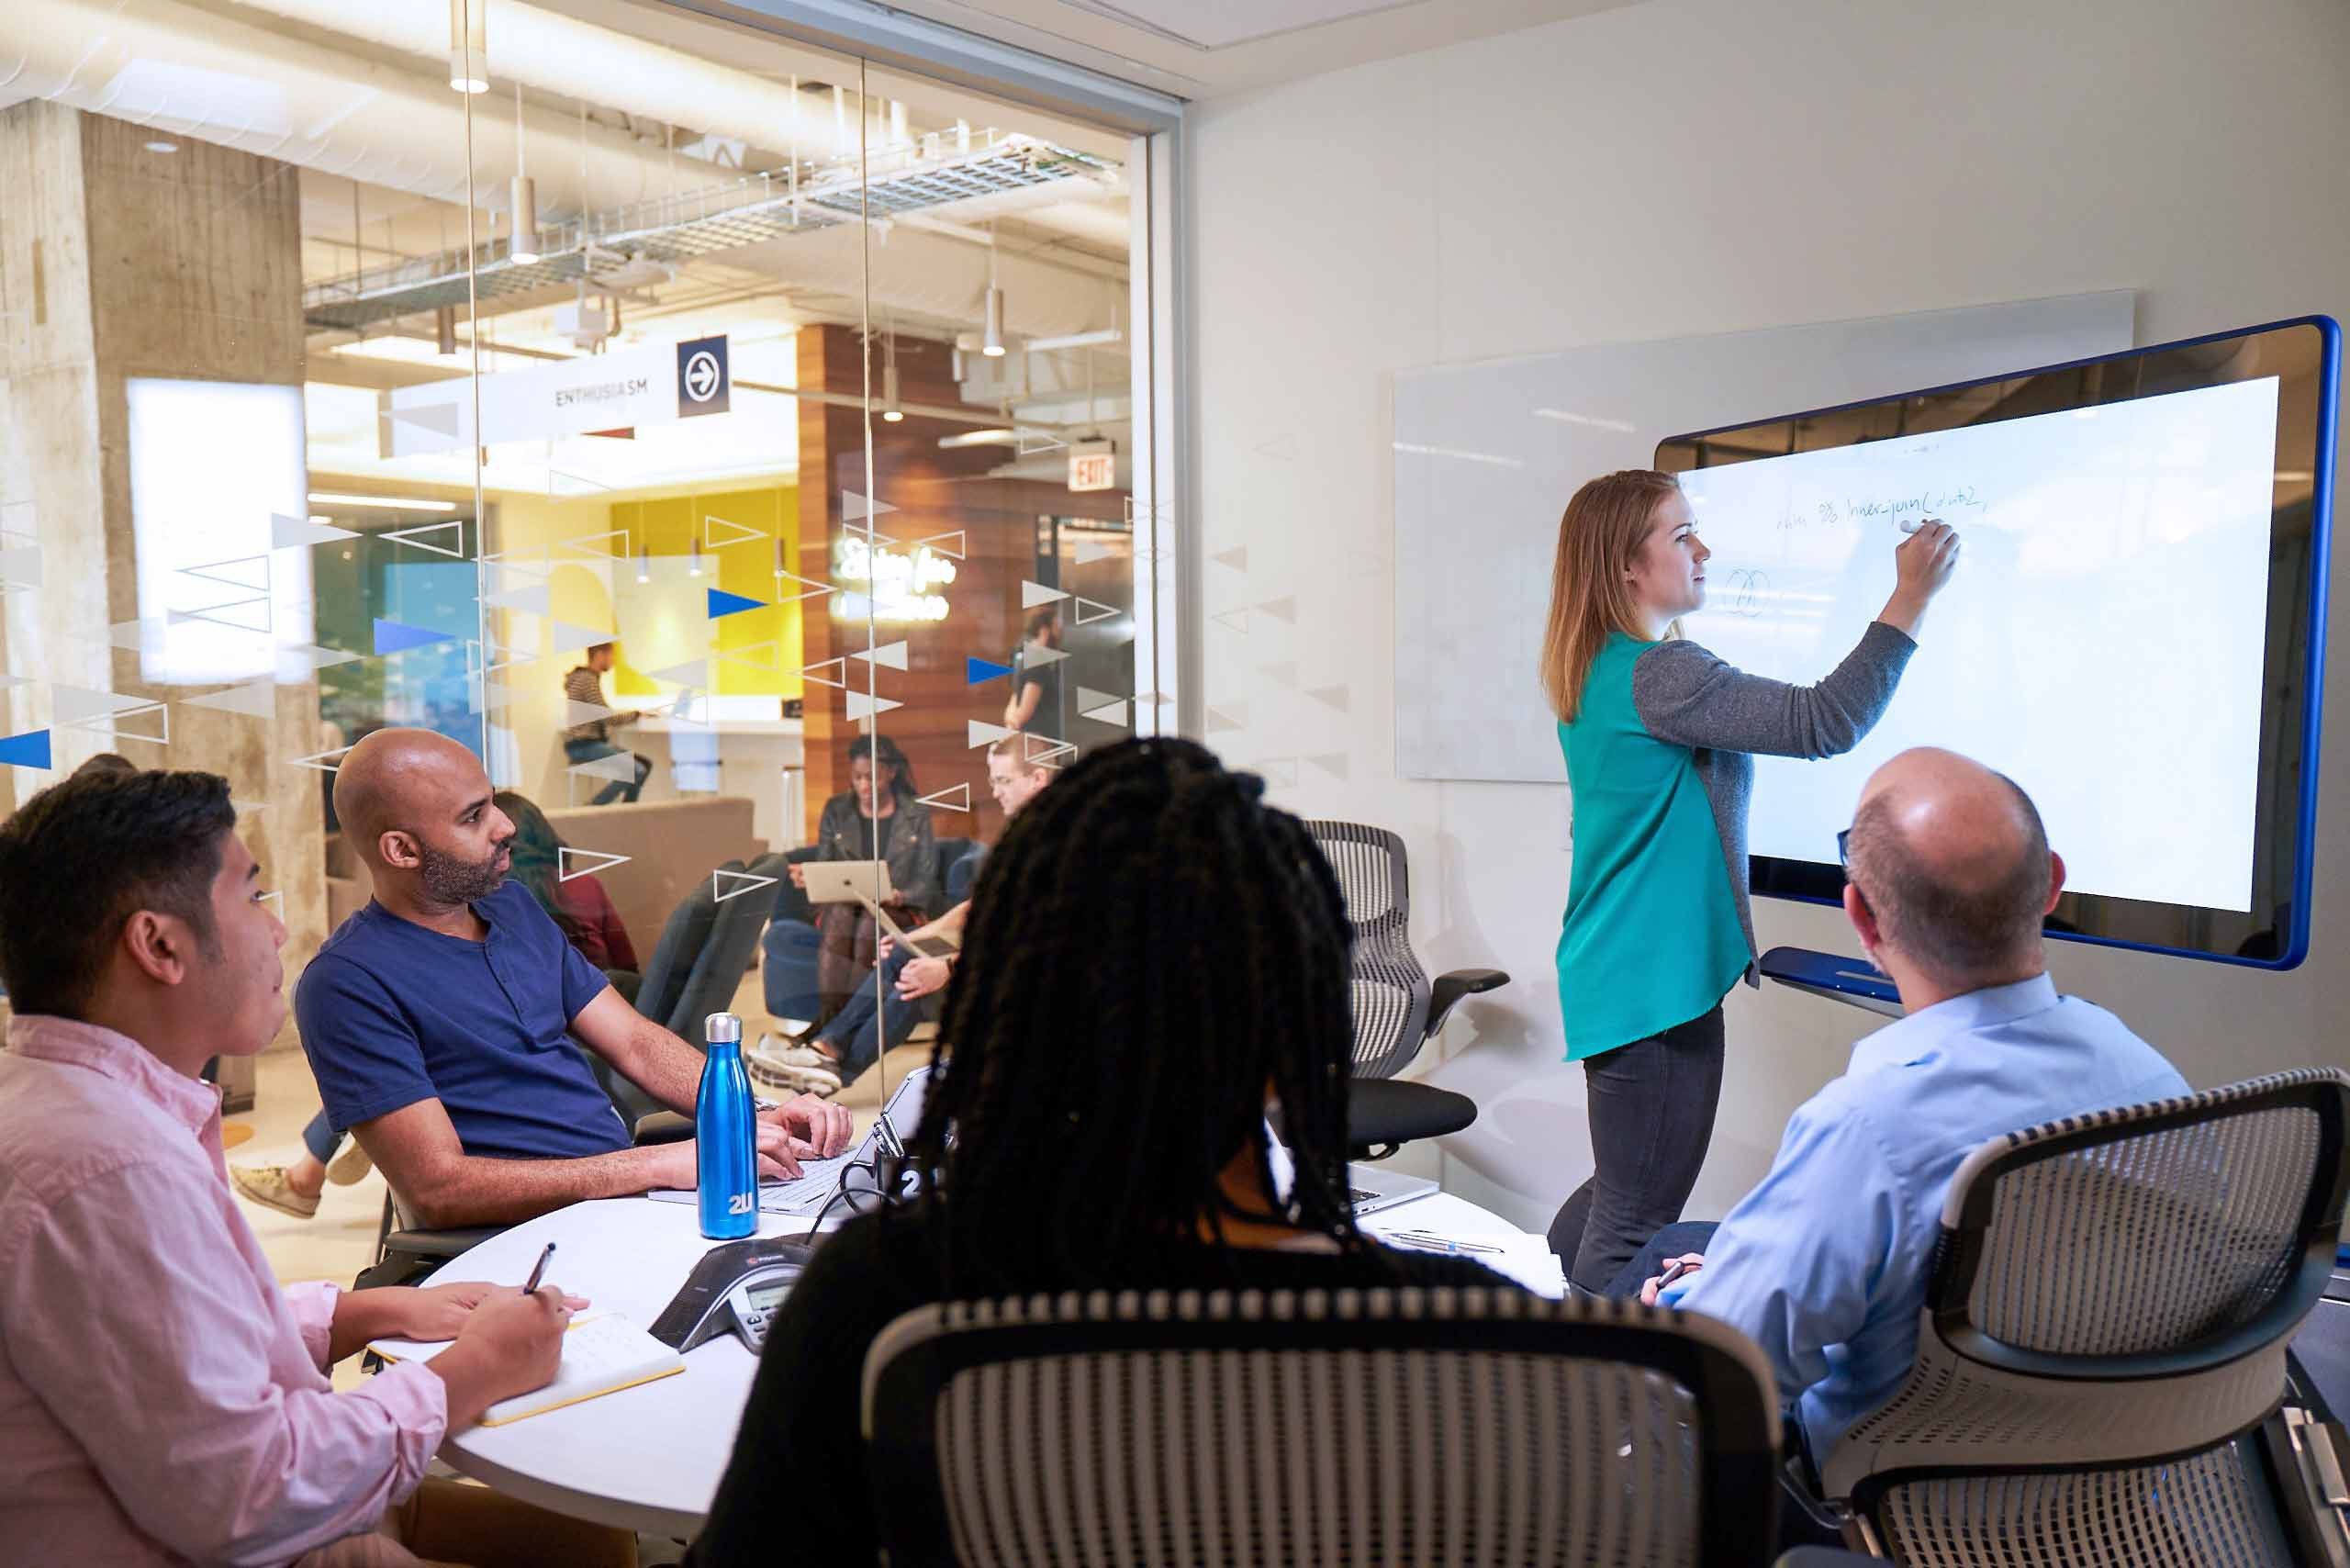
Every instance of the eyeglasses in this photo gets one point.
(1844, 847)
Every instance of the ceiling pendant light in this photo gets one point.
(643, 563)
(890, 412)
(525, 246)
(992, 337)
(468, 47)
(694, 570)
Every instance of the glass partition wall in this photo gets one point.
(670, 413)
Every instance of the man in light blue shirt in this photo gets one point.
(1825, 1263)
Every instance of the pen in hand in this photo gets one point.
(538, 1270)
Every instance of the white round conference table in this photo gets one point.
(649, 1458)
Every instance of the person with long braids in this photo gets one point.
(1659, 736)
(1154, 961)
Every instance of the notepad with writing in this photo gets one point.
(602, 1353)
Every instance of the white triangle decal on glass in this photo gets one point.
(256, 699)
(620, 767)
(594, 860)
(1034, 594)
(736, 533)
(955, 798)
(570, 639)
(409, 536)
(723, 883)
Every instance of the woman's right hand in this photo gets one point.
(1923, 564)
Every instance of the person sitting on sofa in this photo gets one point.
(440, 1019)
(876, 818)
(879, 1018)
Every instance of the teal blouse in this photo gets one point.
(1652, 935)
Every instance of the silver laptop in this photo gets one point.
(1368, 1187)
(866, 882)
(1373, 1189)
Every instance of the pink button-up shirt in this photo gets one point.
(161, 1400)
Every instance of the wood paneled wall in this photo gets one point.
(935, 493)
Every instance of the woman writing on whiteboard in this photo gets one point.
(1659, 736)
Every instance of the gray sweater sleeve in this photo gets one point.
(1686, 695)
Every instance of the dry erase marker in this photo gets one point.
(539, 1269)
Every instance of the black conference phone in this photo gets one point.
(734, 1289)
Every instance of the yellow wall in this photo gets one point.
(657, 624)
(667, 526)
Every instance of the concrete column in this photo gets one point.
(117, 262)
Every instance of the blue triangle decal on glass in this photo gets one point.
(28, 750)
(722, 603)
(396, 637)
(976, 671)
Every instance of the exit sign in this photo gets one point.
(1093, 465)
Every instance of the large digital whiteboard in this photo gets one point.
(2100, 640)
(2135, 630)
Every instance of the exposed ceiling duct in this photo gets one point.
(554, 53)
(188, 72)
(818, 249)
(175, 68)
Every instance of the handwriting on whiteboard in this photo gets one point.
(1867, 512)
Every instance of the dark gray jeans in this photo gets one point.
(1651, 1105)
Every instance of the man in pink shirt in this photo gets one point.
(161, 1399)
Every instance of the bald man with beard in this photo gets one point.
(1825, 1264)
(438, 1020)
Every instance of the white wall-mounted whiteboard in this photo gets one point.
(1486, 455)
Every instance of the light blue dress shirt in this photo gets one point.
(1825, 1263)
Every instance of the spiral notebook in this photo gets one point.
(602, 1353)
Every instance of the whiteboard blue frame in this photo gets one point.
(2325, 467)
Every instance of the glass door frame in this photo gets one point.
(1168, 686)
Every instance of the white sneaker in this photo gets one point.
(800, 1067)
(350, 1164)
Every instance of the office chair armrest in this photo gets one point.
(438, 1243)
(662, 1126)
(1450, 987)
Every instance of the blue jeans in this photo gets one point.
(590, 751)
(860, 1031)
(1684, 1236)
(321, 1138)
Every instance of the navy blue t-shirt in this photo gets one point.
(391, 1014)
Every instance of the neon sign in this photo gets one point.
(898, 587)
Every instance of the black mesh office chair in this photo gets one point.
(1396, 1011)
(2103, 1352)
(1425, 1427)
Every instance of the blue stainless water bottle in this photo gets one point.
(725, 1145)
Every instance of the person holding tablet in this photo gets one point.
(1659, 736)
(877, 817)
